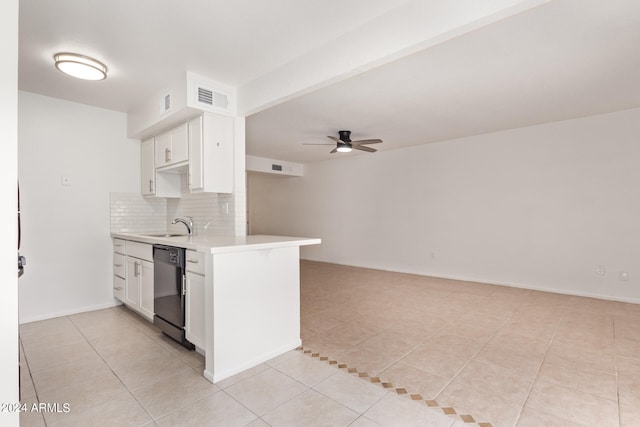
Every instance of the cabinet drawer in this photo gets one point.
(119, 246)
(118, 288)
(119, 265)
(195, 262)
(140, 250)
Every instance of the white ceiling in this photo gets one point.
(148, 44)
(560, 60)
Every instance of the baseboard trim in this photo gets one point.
(31, 319)
(219, 376)
(491, 282)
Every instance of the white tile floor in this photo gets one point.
(504, 356)
(115, 369)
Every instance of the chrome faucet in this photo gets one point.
(187, 221)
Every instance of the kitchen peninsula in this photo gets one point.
(243, 301)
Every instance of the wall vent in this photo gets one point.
(205, 96)
(212, 98)
(166, 105)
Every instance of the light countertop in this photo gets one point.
(218, 244)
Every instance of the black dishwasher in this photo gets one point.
(168, 292)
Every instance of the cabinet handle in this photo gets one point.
(194, 261)
(150, 185)
(167, 155)
(136, 268)
(118, 288)
(184, 285)
(189, 178)
(118, 246)
(117, 265)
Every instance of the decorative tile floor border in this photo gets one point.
(447, 410)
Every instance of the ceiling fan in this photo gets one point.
(344, 144)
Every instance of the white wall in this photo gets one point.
(66, 228)
(537, 207)
(8, 195)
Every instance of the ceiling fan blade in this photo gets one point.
(367, 141)
(333, 138)
(335, 150)
(363, 148)
(318, 143)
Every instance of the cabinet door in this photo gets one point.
(196, 179)
(147, 167)
(217, 153)
(194, 316)
(163, 149)
(132, 286)
(172, 146)
(180, 144)
(146, 289)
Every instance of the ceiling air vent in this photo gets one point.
(212, 98)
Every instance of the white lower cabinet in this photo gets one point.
(194, 304)
(146, 289)
(132, 293)
(119, 285)
(119, 269)
(139, 286)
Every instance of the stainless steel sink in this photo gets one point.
(164, 235)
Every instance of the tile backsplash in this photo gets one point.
(132, 212)
(213, 214)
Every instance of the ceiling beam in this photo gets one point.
(414, 26)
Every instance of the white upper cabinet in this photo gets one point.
(147, 167)
(156, 183)
(196, 175)
(211, 154)
(199, 151)
(172, 147)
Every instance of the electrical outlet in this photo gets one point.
(600, 270)
(623, 276)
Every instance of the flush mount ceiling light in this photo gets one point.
(80, 66)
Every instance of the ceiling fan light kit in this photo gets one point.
(344, 144)
(343, 147)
